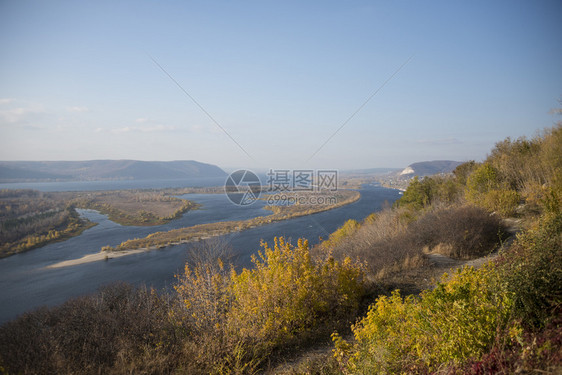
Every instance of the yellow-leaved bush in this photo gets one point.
(288, 294)
(452, 323)
(348, 229)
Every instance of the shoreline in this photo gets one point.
(197, 236)
(95, 257)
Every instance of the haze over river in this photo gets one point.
(26, 283)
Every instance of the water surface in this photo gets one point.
(25, 283)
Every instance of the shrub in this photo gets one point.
(518, 351)
(377, 242)
(238, 319)
(462, 171)
(203, 292)
(456, 321)
(389, 242)
(466, 231)
(533, 270)
(342, 234)
(120, 329)
(287, 294)
(419, 194)
(430, 191)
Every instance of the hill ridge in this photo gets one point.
(105, 169)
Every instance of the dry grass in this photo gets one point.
(133, 204)
(118, 330)
(202, 231)
(395, 240)
(130, 207)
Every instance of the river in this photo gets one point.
(26, 283)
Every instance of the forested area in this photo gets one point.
(30, 219)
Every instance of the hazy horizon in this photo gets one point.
(275, 85)
(227, 168)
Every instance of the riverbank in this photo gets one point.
(96, 257)
(134, 207)
(31, 219)
(199, 232)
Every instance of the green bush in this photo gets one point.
(418, 194)
(486, 189)
(462, 171)
(422, 193)
(532, 269)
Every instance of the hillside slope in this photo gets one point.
(12, 171)
(428, 168)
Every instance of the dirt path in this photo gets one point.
(409, 282)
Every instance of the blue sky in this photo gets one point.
(77, 81)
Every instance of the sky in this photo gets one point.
(275, 84)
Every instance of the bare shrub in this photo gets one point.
(395, 240)
(120, 329)
(209, 251)
(459, 232)
(380, 243)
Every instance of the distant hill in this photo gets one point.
(14, 171)
(20, 174)
(428, 168)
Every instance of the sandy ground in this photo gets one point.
(105, 255)
(96, 257)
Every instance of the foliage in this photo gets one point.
(238, 319)
(390, 241)
(504, 317)
(134, 207)
(29, 229)
(518, 170)
(520, 351)
(120, 329)
(222, 321)
(375, 242)
(419, 194)
(465, 231)
(533, 270)
(464, 170)
(343, 233)
(287, 293)
(452, 323)
(429, 191)
(483, 179)
(485, 188)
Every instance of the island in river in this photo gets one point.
(31, 218)
(178, 236)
